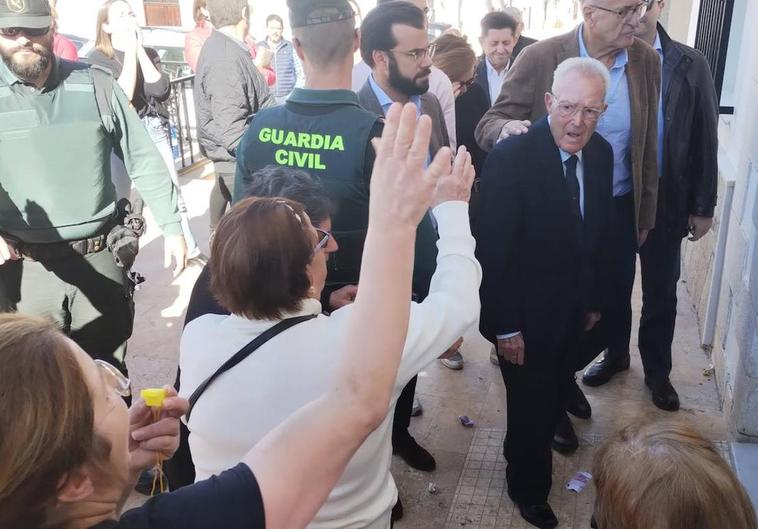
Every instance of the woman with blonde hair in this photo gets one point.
(665, 475)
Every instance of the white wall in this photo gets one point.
(735, 348)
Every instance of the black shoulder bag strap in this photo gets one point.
(243, 353)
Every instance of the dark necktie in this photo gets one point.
(573, 185)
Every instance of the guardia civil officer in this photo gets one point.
(323, 129)
(59, 123)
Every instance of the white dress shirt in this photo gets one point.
(495, 80)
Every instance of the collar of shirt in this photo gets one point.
(309, 96)
(491, 69)
(386, 101)
(622, 56)
(12, 79)
(657, 44)
(308, 307)
(235, 40)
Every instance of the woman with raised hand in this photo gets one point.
(266, 274)
(71, 450)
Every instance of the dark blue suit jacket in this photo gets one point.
(543, 268)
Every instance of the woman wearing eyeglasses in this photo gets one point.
(269, 267)
(71, 450)
(454, 56)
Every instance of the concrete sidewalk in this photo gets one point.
(470, 466)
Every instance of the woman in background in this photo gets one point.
(119, 48)
(454, 56)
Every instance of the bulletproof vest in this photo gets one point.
(55, 149)
(330, 146)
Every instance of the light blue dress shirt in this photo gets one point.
(386, 102)
(659, 48)
(579, 176)
(616, 123)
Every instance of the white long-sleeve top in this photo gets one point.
(297, 366)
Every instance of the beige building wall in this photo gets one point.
(726, 279)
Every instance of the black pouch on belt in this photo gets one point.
(123, 239)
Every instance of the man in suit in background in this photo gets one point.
(395, 45)
(542, 239)
(521, 40)
(499, 36)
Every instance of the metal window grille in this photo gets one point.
(712, 39)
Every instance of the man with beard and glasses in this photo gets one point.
(439, 83)
(59, 123)
(395, 45)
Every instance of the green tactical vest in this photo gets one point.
(328, 145)
(55, 149)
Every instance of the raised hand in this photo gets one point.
(455, 183)
(401, 190)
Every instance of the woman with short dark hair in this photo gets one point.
(260, 275)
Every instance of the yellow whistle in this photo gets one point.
(153, 397)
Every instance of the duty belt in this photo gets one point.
(60, 250)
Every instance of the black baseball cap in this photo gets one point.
(303, 12)
(25, 14)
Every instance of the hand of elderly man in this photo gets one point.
(148, 439)
(698, 227)
(512, 349)
(514, 127)
(456, 183)
(401, 190)
(7, 252)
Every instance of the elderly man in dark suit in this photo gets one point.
(542, 242)
(630, 126)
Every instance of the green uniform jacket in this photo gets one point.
(55, 152)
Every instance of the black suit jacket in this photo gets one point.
(543, 269)
(522, 43)
(481, 77)
(689, 179)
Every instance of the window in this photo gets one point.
(712, 40)
(162, 13)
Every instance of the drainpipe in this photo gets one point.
(711, 313)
